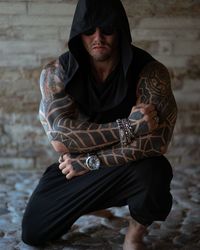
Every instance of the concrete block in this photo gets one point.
(185, 99)
(40, 33)
(24, 20)
(25, 117)
(181, 140)
(28, 54)
(165, 48)
(8, 150)
(149, 46)
(12, 8)
(16, 163)
(187, 160)
(186, 120)
(182, 23)
(28, 33)
(10, 33)
(187, 48)
(19, 60)
(152, 34)
(51, 9)
(26, 135)
(64, 33)
(191, 86)
(50, 48)
(172, 61)
(5, 21)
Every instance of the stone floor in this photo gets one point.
(180, 231)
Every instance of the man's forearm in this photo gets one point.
(59, 116)
(77, 136)
(65, 130)
(142, 147)
(154, 144)
(59, 113)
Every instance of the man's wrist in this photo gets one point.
(78, 165)
(92, 162)
(126, 131)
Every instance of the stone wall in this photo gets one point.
(34, 32)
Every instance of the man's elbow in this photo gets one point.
(159, 148)
(163, 149)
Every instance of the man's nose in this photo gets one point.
(98, 34)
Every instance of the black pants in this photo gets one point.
(57, 202)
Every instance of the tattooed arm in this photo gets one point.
(153, 87)
(59, 116)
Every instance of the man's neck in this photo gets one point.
(102, 70)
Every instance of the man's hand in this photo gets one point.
(71, 167)
(144, 119)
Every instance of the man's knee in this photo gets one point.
(37, 230)
(155, 176)
(155, 171)
(153, 201)
(31, 234)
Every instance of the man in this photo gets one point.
(108, 109)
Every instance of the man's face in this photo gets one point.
(101, 44)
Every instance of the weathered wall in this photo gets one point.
(34, 32)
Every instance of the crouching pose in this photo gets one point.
(107, 107)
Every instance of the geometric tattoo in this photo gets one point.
(63, 121)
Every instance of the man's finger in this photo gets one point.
(62, 165)
(70, 175)
(65, 163)
(65, 171)
(66, 157)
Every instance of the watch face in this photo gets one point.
(93, 162)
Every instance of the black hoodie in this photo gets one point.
(119, 97)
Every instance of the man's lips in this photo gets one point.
(99, 47)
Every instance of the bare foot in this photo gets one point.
(103, 213)
(134, 236)
(134, 246)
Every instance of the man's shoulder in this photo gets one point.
(53, 64)
(156, 69)
(62, 68)
(68, 61)
(61, 61)
(58, 66)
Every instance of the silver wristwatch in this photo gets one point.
(92, 162)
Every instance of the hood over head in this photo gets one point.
(98, 13)
(90, 14)
(94, 13)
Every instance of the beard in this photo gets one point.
(102, 54)
(100, 57)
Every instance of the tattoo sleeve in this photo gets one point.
(153, 87)
(59, 116)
